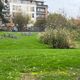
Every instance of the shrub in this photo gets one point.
(8, 35)
(58, 38)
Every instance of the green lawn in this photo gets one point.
(22, 42)
(26, 56)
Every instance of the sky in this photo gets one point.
(70, 8)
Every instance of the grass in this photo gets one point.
(23, 42)
(27, 55)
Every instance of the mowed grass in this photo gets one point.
(22, 42)
(26, 55)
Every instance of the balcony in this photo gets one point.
(41, 10)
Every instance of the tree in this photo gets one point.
(21, 21)
(4, 20)
(1, 7)
(56, 20)
(41, 24)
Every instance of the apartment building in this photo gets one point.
(34, 8)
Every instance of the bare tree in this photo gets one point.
(21, 21)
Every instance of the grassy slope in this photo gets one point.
(23, 42)
(26, 54)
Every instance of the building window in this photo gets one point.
(41, 9)
(14, 7)
(18, 8)
(32, 15)
(40, 15)
(32, 9)
(14, 14)
(40, 3)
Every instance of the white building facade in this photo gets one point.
(33, 8)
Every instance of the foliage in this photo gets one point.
(56, 21)
(21, 21)
(8, 35)
(41, 24)
(60, 32)
(75, 25)
(1, 13)
(59, 38)
(60, 21)
(1, 6)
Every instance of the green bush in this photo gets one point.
(59, 38)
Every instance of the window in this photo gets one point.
(14, 14)
(32, 9)
(32, 15)
(19, 8)
(40, 3)
(41, 9)
(40, 15)
(14, 7)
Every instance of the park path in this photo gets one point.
(27, 76)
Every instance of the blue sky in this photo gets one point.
(70, 7)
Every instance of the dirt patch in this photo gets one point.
(28, 76)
